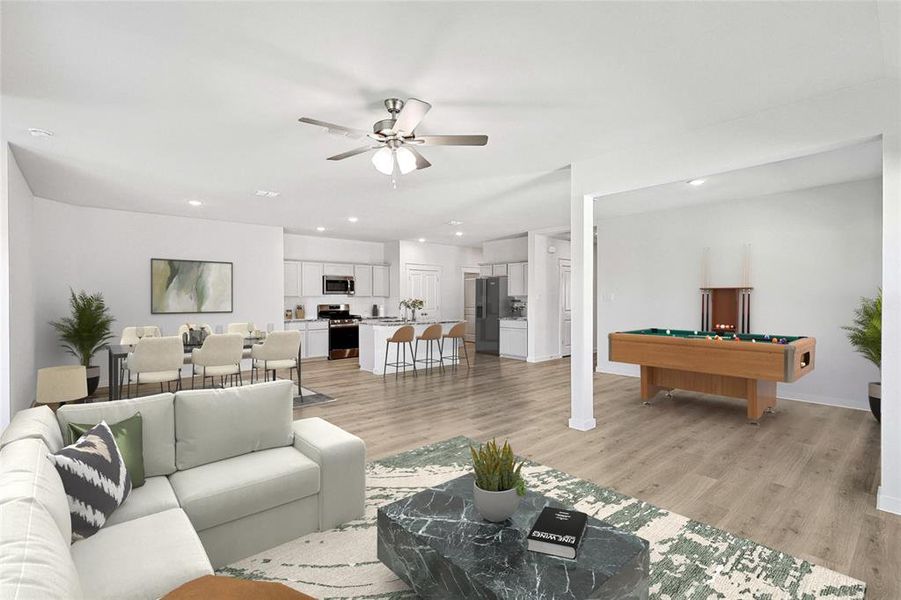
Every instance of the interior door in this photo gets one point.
(566, 319)
(469, 306)
(425, 284)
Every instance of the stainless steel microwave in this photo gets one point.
(339, 285)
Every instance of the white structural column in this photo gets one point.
(889, 498)
(581, 217)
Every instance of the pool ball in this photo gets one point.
(709, 338)
(803, 364)
(783, 341)
(775, 340)
(667, 332)
(753, 341)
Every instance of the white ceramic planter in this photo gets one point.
(495, 506)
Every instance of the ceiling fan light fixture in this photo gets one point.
(406, 161)
(383, 161)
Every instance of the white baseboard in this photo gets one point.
(537, 359)
(583, 424)
(888, 503)
(624, 370)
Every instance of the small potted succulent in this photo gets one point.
(498, 484)
(865, 336)
(85, 331)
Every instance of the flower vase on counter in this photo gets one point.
(414, 315)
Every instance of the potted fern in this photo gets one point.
(498, 484)
(865, 336)
(85, 331)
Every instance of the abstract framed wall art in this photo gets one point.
(190, 286)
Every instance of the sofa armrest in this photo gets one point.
(341, 457)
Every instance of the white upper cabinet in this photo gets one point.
(363, 280)
(311, 279)
(341, 270)
(498, 270)
(380, 286)
(517, 279)
(292, 279)
(486, 270)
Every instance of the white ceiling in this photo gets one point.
(153, 104)
(851, 163)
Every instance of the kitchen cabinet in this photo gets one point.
(486, 270)
(292, 279)
(499, 270)
(363, 280)
(380, 286)
(514, 339)
(517, 279)
(336, 269)
(311, 279)
(317, 339)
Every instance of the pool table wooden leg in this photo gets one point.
(648, 388)
(761, 397)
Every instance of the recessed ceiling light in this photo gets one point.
(696, 182)
(320, 228)
(352, 219)
(195, 202)
(40, 132)
(459, 234)
(455, 222)
(421, 240)
(267, 194)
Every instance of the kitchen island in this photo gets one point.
(375, 333)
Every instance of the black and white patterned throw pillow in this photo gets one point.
(95, 479)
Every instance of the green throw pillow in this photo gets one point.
(129, 436)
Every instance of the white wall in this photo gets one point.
(813, 254)
(109, 251)
(506, 251)
(326, 249)
(21, 289)
(450, 259)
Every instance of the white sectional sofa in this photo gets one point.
(228, 474)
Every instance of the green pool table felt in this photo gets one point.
(697, 334)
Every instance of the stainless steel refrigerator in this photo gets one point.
(492, 303)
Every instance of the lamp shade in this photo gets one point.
(383, 160)
(406, 162)
(61, 384)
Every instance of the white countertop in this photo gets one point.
(303, 320)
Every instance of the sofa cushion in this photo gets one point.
(129, 436)
(229, 489)
(35, 561)
(142, 559)
(215, 424)
(95, 478)
(157, 415)
(26, 472)
(34, 423)
(154, 496)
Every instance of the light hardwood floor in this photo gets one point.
(803, 481)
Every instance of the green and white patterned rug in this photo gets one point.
(689, 559)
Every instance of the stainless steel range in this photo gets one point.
(343, 330)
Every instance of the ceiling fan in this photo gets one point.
(395, 138)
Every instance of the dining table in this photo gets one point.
(119, 352)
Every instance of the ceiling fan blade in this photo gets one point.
(421, 162)
(339, 129)
(451, 140)
(411, 115)
(353, 152)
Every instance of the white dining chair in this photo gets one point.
(56, 385)
(220, 356)
(244, 329)
(280, 350)
(130, 337)
(156, 360)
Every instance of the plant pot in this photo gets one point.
(875, 393)
(93, 379)
(495, 506)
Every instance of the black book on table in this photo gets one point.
(557, 531)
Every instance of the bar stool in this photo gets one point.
(457, 333)
(432, 334)
(403, 337)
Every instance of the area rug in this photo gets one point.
(306, 397)
(689, 560)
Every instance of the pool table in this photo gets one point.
(743, 366)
